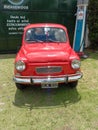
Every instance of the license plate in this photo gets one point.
(49, 85)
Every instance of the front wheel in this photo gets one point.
(73, 84)
(20, 86)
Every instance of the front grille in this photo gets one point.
(49, 69)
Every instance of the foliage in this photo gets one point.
(93, 22)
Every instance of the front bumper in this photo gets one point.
(48, 79)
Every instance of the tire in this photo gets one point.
(20, 86)
(73, 84)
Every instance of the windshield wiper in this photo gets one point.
(51, 40)
(37, 40)
(34, 40)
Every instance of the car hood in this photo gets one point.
(46, 52)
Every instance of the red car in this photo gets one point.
(46, 57)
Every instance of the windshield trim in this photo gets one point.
(49, 40)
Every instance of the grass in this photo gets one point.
(49, 109)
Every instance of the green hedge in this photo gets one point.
(93, 22)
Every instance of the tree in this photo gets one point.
(93, 22)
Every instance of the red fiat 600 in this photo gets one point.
(46, 57)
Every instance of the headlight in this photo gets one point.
(75, 64)
(20, 66)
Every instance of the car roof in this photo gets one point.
(43, 25)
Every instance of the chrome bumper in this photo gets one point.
(49, 79)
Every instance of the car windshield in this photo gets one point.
(45, 34)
